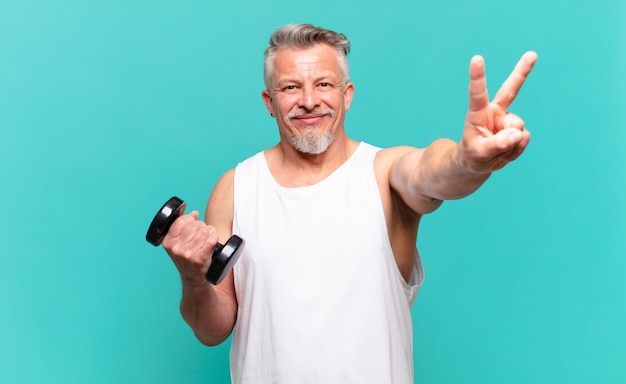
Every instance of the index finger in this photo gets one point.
(478, 95)
(510, 88)
(181, 222)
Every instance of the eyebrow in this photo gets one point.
(326, 77)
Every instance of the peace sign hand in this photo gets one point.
(492, 137)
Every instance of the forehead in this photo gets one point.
(318, 58)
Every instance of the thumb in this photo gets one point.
(507, 139)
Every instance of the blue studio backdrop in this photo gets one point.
(107, 108)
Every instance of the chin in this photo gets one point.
(313, 145)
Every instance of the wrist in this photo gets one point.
(195, 283)
(468, 165)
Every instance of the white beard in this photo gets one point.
(310, 143)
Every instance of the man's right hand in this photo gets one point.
(190, 243)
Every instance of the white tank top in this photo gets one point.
(321, 299)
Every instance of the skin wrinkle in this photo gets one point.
(306, 86)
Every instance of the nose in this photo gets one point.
(310, 98)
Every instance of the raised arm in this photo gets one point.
(492, 138)
(209, 310)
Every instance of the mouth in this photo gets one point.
(310, 118)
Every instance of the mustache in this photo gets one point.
(317, 111)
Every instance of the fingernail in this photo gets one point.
(515, 137)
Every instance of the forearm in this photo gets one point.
(442, 174)
(425, 177)
(208, 312)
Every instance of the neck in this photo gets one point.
(292, 168)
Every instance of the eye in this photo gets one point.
(323, 84)
(289, 87)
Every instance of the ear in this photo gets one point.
(348, 93)
(268, 101)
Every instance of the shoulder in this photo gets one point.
(398, 169)
(387, 158)
(385, 162)
(224, 184)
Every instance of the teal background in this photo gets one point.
(107, 108)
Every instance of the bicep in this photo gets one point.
(220, 207)
(219, 214)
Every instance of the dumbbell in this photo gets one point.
(224, 256)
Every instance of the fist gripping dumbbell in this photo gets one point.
(224, 256)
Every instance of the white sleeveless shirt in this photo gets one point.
(321, 299)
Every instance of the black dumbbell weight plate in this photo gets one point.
(224, 257)
(169, 212)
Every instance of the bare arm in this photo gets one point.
(209, 310)
(492, 138)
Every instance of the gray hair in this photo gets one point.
(302, 36)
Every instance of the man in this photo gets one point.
(323, 289)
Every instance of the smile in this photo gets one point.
(309, 119)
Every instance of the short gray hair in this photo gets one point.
(303, 36)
